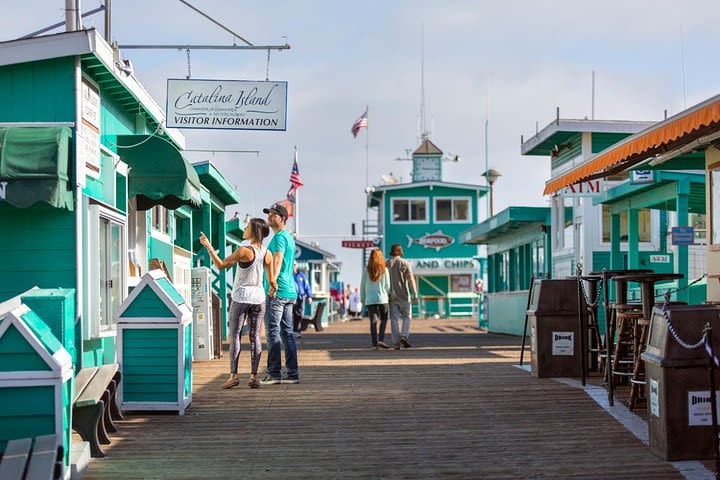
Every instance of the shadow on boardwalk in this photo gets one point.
(453, 407)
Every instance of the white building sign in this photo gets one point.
(88, 130)
(226, 104)
(444, 266)
(591, 188)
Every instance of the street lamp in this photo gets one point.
(491, 176)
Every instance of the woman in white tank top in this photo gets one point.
(248, 294)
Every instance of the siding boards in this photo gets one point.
(147, 304)
(26, 412)
(37, 247)
(42, 91)
(22, 356)
(150, 373)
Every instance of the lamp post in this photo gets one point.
(491, 175)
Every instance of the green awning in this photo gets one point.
(34, 163)
(159, 174)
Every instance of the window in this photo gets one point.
(562, 223)
(111, 262)
(160, 219)
(698, 222)
(644, 225)
(714, 174)
(452, 210)
(461, 283)
(409, 210)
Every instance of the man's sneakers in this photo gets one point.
(382, 344)
(290, 378)
(404, 342)
(270, 380)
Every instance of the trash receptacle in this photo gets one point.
(56, 307)
(154, 346)
(677, 388)
(554, 329)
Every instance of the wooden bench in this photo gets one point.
(24, 461)
(315, 320)
(95, 405)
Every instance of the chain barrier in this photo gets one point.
(676, 336)
(682, 288)
(584, 292)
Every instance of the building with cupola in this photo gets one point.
(426, 217)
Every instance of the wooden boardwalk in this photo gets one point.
(453, 407)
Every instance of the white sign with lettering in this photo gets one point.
(444, 265)
(89, 129)
(591, 188)
(563, 343)
(659, 258)
(226, 104)
(699, 411)
(654, 398)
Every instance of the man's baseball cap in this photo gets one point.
(277, 208)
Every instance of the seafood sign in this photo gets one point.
(435, 240)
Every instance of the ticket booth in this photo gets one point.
(155, 347)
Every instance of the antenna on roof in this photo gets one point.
(424, 134)
(592, 110)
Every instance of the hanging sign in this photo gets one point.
(683, 235)
(359, 243)
(435, 240)
(641, 177)
(440, 266)
(226, 104)
(89, 129)
(591, 188)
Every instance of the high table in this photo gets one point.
(647, 282)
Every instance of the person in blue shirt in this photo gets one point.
(302, 288)
(278, 311)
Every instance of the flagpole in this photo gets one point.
(297, 202)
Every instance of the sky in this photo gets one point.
(510, 64)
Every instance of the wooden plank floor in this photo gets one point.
(453, 407)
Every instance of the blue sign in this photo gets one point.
(640, 177)
(683, 236)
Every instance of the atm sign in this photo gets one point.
(591, 188)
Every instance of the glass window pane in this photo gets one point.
(417, 210)
(644, 231)
(115, 271)
(461, 210)
(443, 210)
(715, 206)
(400, 210)
(103, 249)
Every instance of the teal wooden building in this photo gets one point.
(36, 379)
(155, 347)
(426, 216)
(519, 246)
(322, 271)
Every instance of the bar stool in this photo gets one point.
(625, 328)
(638, 379)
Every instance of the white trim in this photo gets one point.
(48, 376)
(410, 222)
(430, 183)
(173, 406)
(58, 362)
(28, 382)
(452, 210)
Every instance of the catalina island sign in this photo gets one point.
(226, 104)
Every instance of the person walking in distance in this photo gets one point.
(401, 277)
(248, 295)
(374, 290)
(278, 310)
(302, 288)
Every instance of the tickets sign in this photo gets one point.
(359, 243)
(226, 104)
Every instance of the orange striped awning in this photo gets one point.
(644, 144)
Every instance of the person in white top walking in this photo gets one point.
(248, 294)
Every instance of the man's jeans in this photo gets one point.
(400, 310)
(279, 324)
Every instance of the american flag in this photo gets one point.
(295, 176)
(361, 122)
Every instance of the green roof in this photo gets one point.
(505, 223)
(216, 183)
(234, 230)
(660, 195)
(560, 130)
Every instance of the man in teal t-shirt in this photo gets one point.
(278, 311)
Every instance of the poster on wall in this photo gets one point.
(88, 130)
(226, 104)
